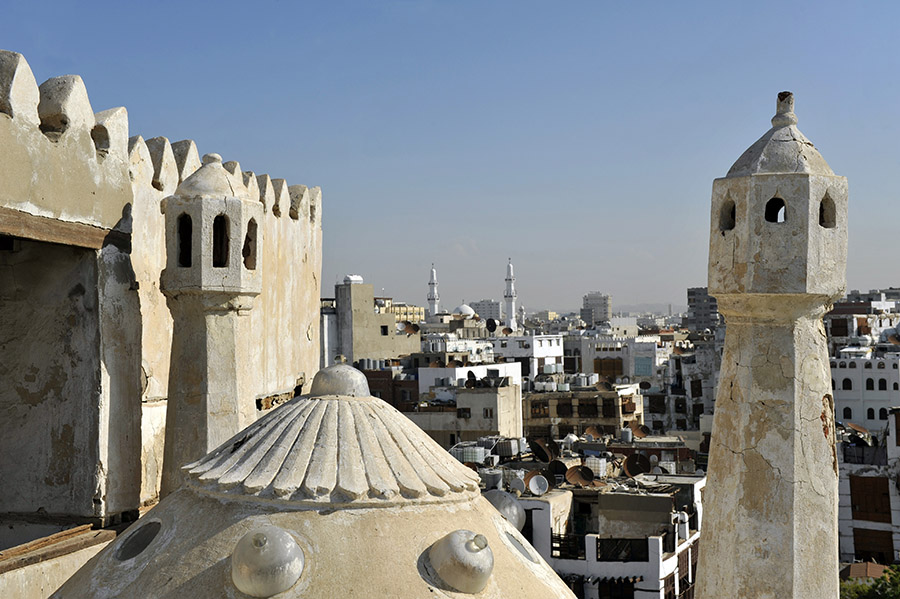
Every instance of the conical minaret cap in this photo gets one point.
(339, 446)
(783, 149)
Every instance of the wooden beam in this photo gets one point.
(16, 223)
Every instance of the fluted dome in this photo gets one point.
(783, 149)
(334, 449)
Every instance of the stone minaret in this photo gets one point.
(434, 298)
(777, 260)
(510, 296)
(212, 274)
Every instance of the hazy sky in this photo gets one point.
(579, 138)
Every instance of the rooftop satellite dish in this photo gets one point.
(593, 432)
(507, 331)
(894, 339)
(538, 485)
(491, 325)
(401, 326)
(517, 484)
(636, 464)
(588, 437)
(544, 450)
(656, 470)
(580, 475)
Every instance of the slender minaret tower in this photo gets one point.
(777, 261)
(434, 298)
(212, 274)
(510, 297)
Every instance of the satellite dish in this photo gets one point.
(538, 485)
(588, 437)
(654, 460)
(656, 470)
(636, 464)
(592, 432)
(507, 331)
(517, 484)
(580, 475)
(491, 325)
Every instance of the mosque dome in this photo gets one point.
(211, 180)
(333, 494)
(783, 149)
(463, 311)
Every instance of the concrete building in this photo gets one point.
(639, 541)
(865, 389)
(557, 414)
(355, 326)
(778, 255)
(488, 308)
(404, 312)
(703, 311)
(869, 500)
(596, 307)
(534, 352)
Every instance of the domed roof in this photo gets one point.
(783, 149)
(464, 310)
(210, 180)
(329, 495)
(338, 445)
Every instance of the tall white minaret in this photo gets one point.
(434, 298)
(777, 261)
(510, 297)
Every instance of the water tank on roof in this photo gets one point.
(627, 435)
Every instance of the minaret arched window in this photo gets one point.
(827, 215)
(185, 229)
(882, 384)
(776, 211)
(848, 413)
(220, 241)
(847, 385)
(882, 414)
(870, 414)
(870, 384)
(727, 215)
(249, 251)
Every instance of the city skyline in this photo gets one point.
(582, 142)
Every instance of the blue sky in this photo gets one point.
(579, 138)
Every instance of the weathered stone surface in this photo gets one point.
(64, 106)
(187, 158)
(165, 170)
(19, 94)
(770, 516)
(110, 133)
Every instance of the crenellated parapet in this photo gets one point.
(61, 161)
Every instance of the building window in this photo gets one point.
(488, 413)
(185, 239)
(727, 215)
(847, 385)
(775, 211)
(827, 213)
(867, 365)
(842, 365)
(870, 498)
(882, 384)
(870, 414)
(249, 251)
(384, 330)
(896, 387)
(881, 365)
(870, 384)
(220, 241)
(463, 412)
(848, 413)
(623, 550)
(852, 365)
(832, 385)
(882, 414)
(503, 344)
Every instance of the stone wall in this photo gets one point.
(82, 317)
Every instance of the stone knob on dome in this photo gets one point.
(463, 560)
(212, 157)
(340, 379)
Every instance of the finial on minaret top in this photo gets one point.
(784, 111)
(212, 157)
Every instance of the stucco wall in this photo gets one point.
(49, 379)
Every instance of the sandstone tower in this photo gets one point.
(777, 260)
(212, 275)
